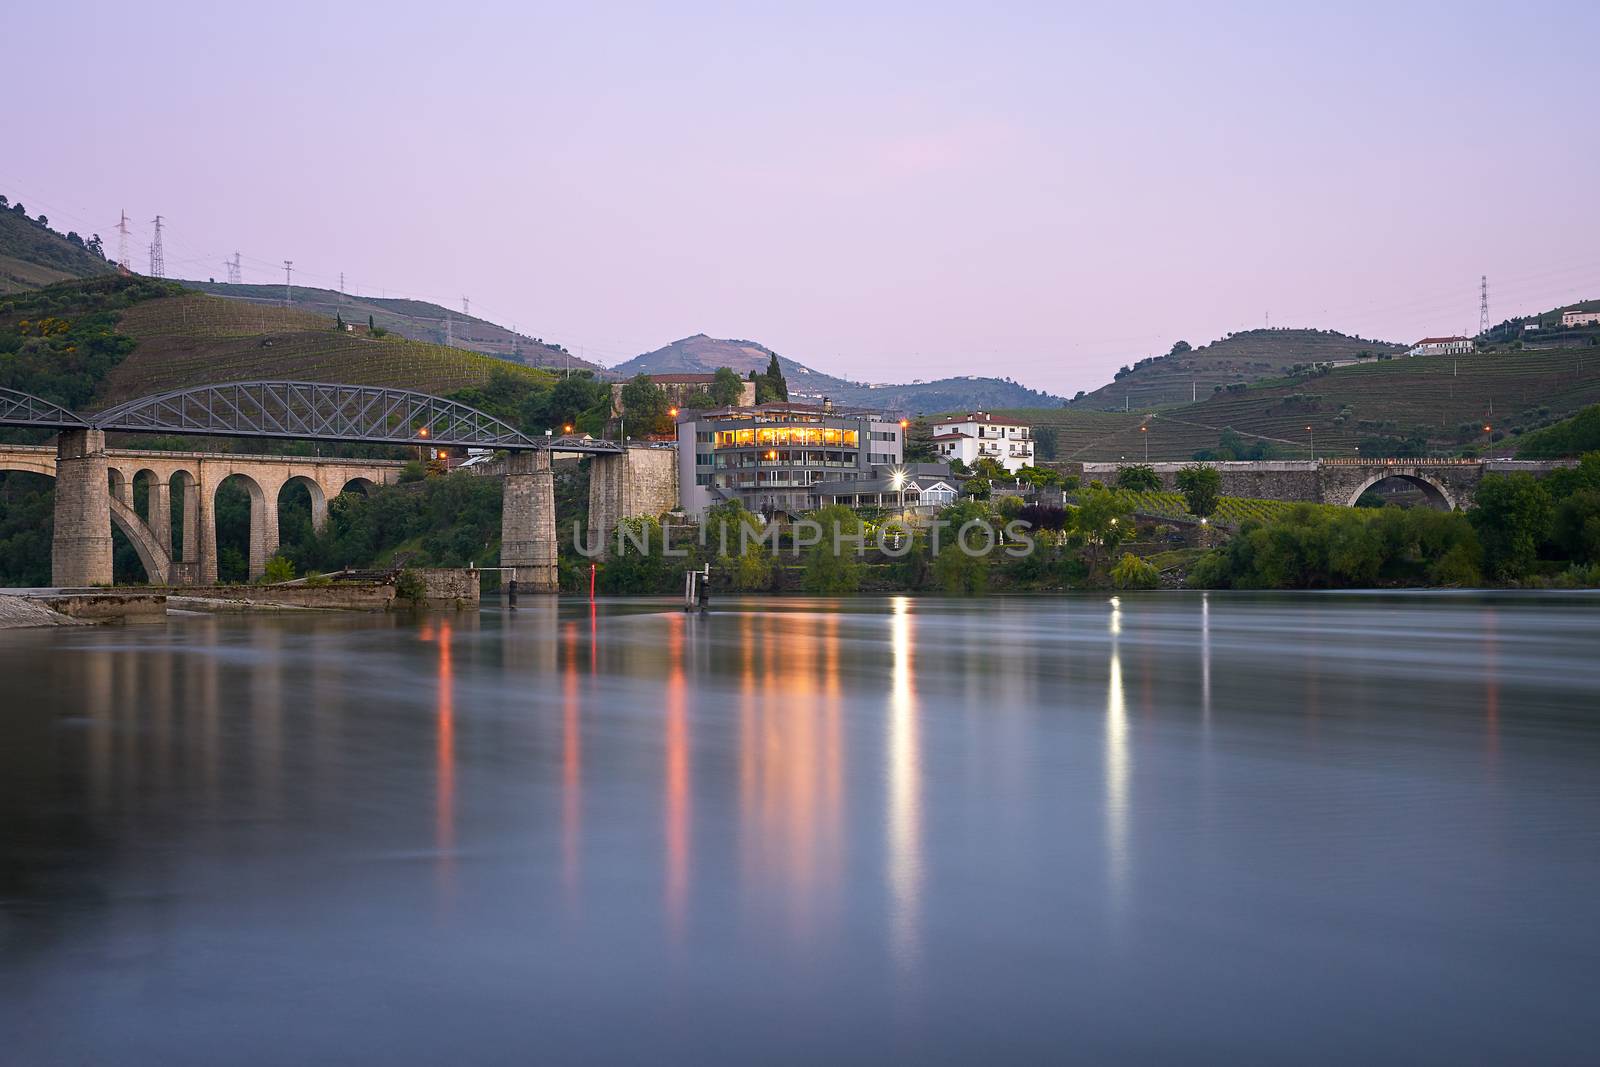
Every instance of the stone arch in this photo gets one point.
(45, 465)
(155, 559)
(120, 485)
(360, 484)
(263, 526)
(184, 490)
(319, 499)
(1437, 493)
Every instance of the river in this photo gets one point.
(1155, 828)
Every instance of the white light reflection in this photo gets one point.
(904, 774)
(1116, 758)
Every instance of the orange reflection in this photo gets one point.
(445, 803)
(790, 764)
(677, 780)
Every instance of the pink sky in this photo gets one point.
(884, 193)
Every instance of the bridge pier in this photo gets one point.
(637, 481)
(528, 521)
(81, 550)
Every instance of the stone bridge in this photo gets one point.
(94, 491)
(95, 485)
(1448, 484)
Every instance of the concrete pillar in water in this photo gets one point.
(638, 481)
(81, 553)
(528, 521)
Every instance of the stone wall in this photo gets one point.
(452, 585)
(643, 480)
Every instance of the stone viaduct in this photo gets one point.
(95, 485)
(1448, 484)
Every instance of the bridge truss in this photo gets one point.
(312, 411)
(21, 409)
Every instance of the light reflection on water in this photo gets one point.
(1138, 827)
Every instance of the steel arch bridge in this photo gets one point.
(22, 409)
(314, 411)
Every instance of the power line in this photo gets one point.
(235, 274)
(1483, 305)
(288, 291)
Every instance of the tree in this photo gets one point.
(831, 566)
(644, 402)
(1131, 572)
(1512, 516)
(96, 247)
(1138, 478)
(1102, 517)
(726, 388)
(977, 488)
(771, 386)
(1180, 348)
(1045, 441)
(1201, 487)
(919, 446)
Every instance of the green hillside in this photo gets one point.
(33, 255)
(1393, 406)
(1186, 374)
(416, 319)
(194, 338)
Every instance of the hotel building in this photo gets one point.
(768, 457)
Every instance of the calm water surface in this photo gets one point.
(1160, 828)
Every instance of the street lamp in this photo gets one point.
(1145, 431)
(1312, 431)
(1488, 440)
(897, 482)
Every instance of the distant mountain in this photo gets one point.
(33, 255)
(701, 354)
(414, 319)
(1185, 375)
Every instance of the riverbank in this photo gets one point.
(17, 613)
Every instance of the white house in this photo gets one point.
(980, 435)
(1441, 346)
(1580, 318)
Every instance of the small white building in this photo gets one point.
(1441, 346)
(1580, 318)
(979, 435)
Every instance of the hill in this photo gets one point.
(415, 319)
(193, 338)
(1426, 405)
(1186, 374)
(702, 354)
(1542, 331)
(33, 255)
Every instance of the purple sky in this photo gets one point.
(918, 190)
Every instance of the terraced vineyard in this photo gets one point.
(194, 338)
(1231, 510)
(1247, 356)
(1446, 399)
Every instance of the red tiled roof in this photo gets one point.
(1439, 340)
(952, 436)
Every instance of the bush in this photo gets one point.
(1131, 572)
(1139, 478)
(277, 570)
(408, 586)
